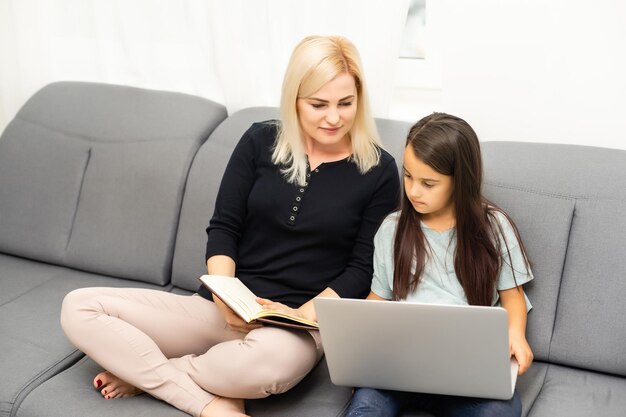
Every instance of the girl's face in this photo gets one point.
(430, 192)
(327, 115)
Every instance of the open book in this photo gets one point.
(243, 302)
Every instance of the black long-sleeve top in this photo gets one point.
(290, 242)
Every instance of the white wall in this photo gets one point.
(528, 70)
(231, 51)
(537, 70)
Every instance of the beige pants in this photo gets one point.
(179, 349)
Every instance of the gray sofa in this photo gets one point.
(106, 185)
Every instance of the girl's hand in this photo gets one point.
(521, 350)
(514, 302)
(233, 321)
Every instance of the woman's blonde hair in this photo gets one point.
(315, 61)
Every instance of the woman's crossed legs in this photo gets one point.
(179, 349)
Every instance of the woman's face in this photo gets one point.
(429, 192)
(327, 115)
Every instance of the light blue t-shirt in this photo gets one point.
(439, 283)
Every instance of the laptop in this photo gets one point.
(428, 348)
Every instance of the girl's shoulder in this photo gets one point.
(389, 224)
(497, 216)
(383, 241)
(503, 225)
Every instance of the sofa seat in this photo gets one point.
(74, 387)
(33, 345)
(567, 391)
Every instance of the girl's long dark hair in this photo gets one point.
(450, 146)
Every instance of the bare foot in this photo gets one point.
(113, 387)
(224, 407)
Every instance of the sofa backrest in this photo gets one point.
(92, 176)
(203, 183)
(568, 202)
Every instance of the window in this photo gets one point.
(417, 88)
(413, 37)
(418, 63)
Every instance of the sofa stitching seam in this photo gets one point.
(97, 139)
(537, 191)
(78, 198)
(558, 295)
(548, 193)
(35, 378)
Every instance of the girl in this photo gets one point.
(295, 217)
(448, 245)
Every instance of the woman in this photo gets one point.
(295, 216)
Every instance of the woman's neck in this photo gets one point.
(318, 154)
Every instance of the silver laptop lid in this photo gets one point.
(440, 349)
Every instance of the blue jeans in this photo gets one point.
(369, 402)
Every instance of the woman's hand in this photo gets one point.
(305, 311)
(233, 321)
(276, 306)
(521, 350)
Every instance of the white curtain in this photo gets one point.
(230, 51)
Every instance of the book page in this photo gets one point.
(234, 293)
(243, 302)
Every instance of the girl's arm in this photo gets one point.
(307, 310)
(514, 303)
(374, 296)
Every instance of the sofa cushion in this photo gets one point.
(544, 223)
(80, 398)
(593, 273)
(115, 113)
(41, 174)
(528, 386)
(127, 214)
(101, 175)
(20, 276)
(315, 396)
(33, 345)
(589, 329)
(568, 392)
(563, 170)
